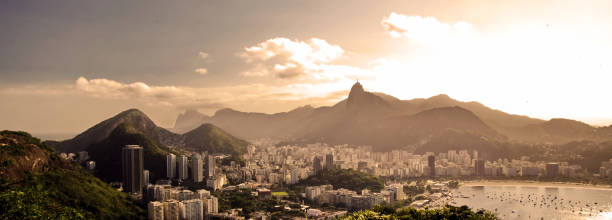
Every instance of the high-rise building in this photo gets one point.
(397, 191)
(171, 166)
(606, 169)
(316, 164)
(452, 155)
(145, 175)
(197, 168)
(295, 176)
(210, 166)
(171, 210)
(479, 167)
(212, 204)
(552, 169)
(193, 209)
(329, 161)
(156, 210)
(183, 171)
(132, 164)
(431, 162)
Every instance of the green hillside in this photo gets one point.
(213, 139)
(36, 184)
(107, 153)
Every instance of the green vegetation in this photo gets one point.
(248, 203)
(11, 146)
(280, 194)
(239, 161)
(107, 153)
(588, 154)
(411, 191)
(211, 138)
(245, 200)
(449, 212)
(133, 121)
(488, 148)
(453, 184)
(59, 191)
(343, 178)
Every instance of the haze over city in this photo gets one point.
(85, 61)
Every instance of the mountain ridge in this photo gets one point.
(362, 107)
(136, 121)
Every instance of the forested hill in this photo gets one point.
(37, 184)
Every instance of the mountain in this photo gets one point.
(216, 139)
(134, 121)
(105, 140)
(37, 184)
(188, 120)
(107, 153)
(363, 118)
(558, 130)
(102, 130)
(387, 122)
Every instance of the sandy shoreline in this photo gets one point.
(532, 183)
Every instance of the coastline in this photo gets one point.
(532, 183)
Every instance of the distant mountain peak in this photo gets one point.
(356, 89)
(191, 112)
(357, 92)
(225, 111)
(360, 100)
(102, 130)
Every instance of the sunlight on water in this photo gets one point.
(604, 216)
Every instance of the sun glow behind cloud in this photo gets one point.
(536, 69)
(525, 69)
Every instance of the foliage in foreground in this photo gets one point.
(449, 212)
(65, 194)
(58, 191)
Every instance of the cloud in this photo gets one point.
(206, 57)
(201, 71)
(203, 55)
(423, 29)
(105, 88)
(289, 59)
(255, 97)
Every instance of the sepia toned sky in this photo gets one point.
(66, 65)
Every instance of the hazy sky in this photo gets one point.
(66, 65)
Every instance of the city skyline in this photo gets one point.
(552, 61)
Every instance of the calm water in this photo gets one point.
(537, 202)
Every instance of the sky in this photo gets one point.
(67, 65)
